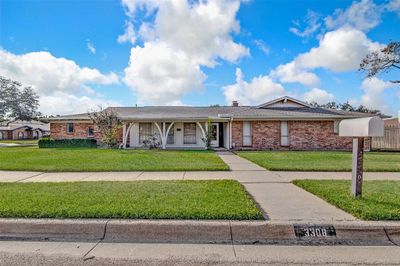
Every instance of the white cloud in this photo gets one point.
(61, 103)
(339, 50)
(90, 46)
(318, 96)
(313, 24)
(161, 75)
(182, 37)
(290, 72)
(129, 34)
(363, 15)
(394, 6)
(373, 93)
(46, 73)
(260, 89)
(262, 46)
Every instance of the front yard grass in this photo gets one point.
(380, 199)
(88, 160)
(322, 160)
(220, 199)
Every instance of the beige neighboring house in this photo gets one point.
(23, 130)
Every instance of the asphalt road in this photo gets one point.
(71, 253)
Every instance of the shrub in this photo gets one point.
(67, 143)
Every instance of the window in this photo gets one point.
(20, 135)
(247, 133)
(70, 128)
(284, 133)
(90, 132)
(170, 138)
(1, 135)
(336, 127)
(145, 131)
(189, 133)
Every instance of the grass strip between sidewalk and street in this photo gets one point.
(322, 160)
(97, 160)
(380, 199)
(207, 199)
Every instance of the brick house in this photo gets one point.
(281, 124)
(23, 130)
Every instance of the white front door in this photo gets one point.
(247, 141)
(215, 134)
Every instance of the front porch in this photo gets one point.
(177, 134)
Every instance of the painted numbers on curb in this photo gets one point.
(314, 231)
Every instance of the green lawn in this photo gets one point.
(220, 199)
(322, 160)
(28, 141)
(85, 159)
(380, 199)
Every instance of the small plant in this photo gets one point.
(108, 124)
(152, 142)
(209, 135)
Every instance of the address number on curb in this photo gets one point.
(314, 231)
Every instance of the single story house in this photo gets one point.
(14, 130)
(281, 124)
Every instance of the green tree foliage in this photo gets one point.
(107, 123)
(17, 102)
(346, 107)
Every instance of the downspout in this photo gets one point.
(230, 133)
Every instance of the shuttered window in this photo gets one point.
(189, 133)
(284, 133)
(247, 133)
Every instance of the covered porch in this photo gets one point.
(178, 134)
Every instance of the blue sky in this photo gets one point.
(80, 54)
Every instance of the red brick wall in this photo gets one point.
(266, 134)
(237, 134)
(316, 135)
(27, 133)
(303, 135)
(59, 131)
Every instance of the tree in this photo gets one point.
(346, 107)
(108, 124)
(17, 103)
(383, 60)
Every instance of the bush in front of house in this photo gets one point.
(67, 143)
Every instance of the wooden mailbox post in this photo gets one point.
(359, 129)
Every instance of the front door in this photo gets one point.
(215, 134)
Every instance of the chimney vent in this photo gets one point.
(235, 103)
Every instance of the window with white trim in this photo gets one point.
(189, 133)
(171, 137)
(70, 128)
(284, 133)
(145, 131)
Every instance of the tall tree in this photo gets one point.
(17, 102)
(383, 60)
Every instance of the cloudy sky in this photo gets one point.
(81, 54)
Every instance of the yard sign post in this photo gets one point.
(358, 129)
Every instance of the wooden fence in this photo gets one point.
(390, 141)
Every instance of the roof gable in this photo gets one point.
(284, 101)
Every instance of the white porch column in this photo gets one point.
(125, 131)
(163, 133)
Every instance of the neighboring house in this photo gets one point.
(391, 138)
(23, 130)
(281, 124)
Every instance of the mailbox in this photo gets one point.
(361, 127)
(358, 129)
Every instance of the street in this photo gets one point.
(73, 253)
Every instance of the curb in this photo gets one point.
(201, 232)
